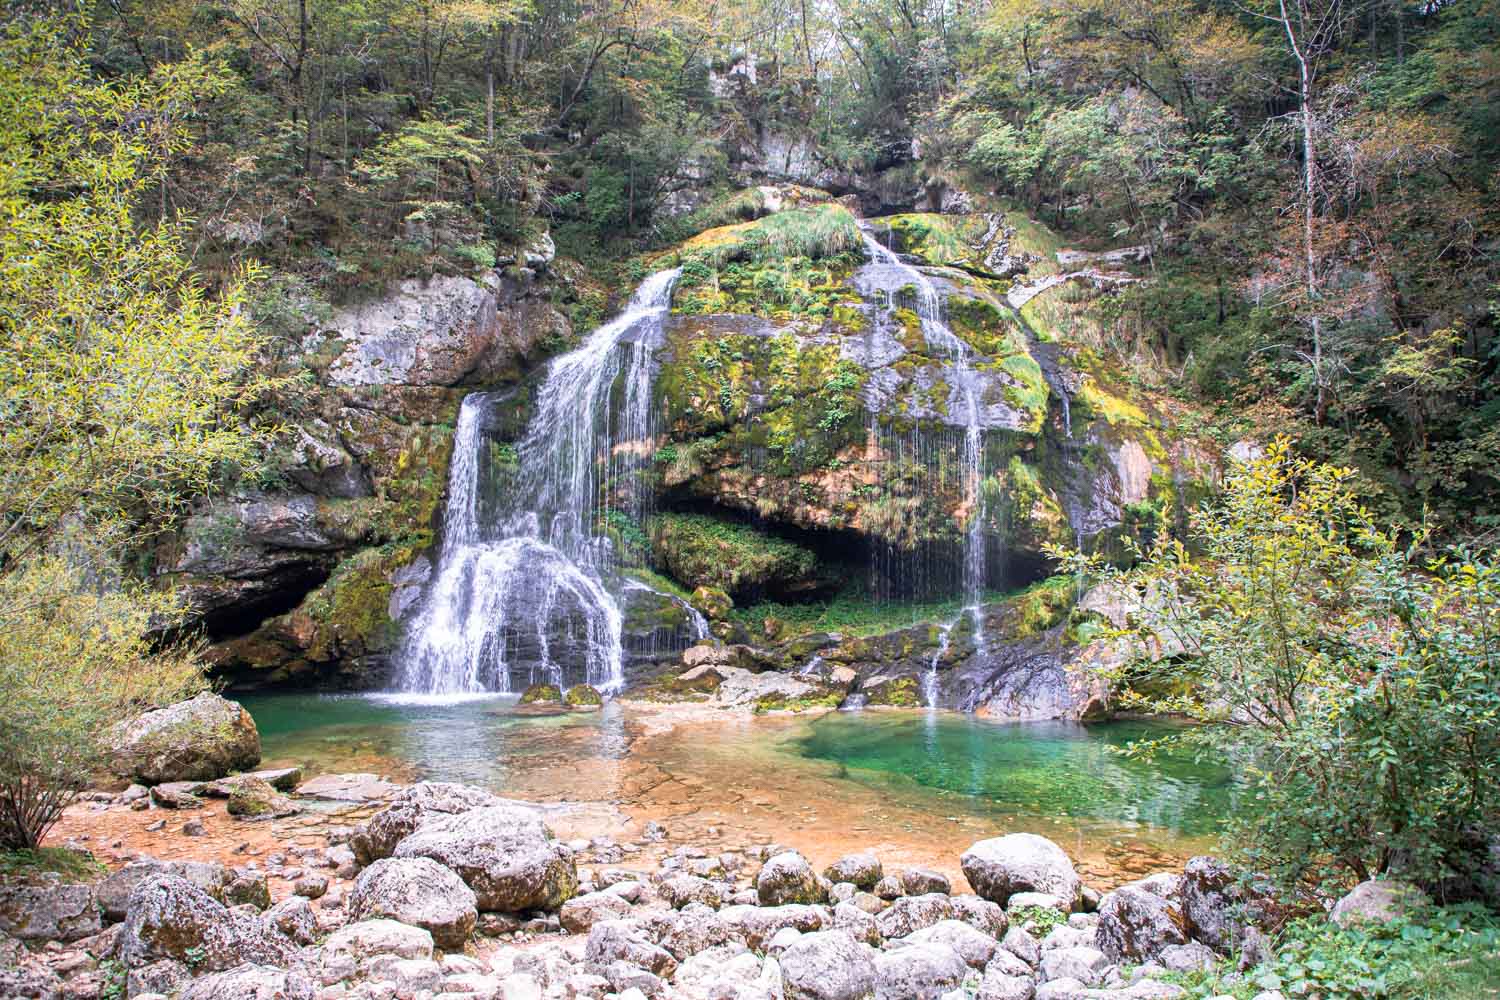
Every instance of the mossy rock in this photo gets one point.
(582, 696)
(894, 692)
(542, 694)
(777, 701)
(706, 552)
(712, 602)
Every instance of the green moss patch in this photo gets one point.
(703, 551)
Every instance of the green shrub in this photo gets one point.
(702, 551)
(1358, 680)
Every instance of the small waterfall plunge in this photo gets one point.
(940, 337)
(519, 595)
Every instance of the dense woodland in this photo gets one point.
(1314, 179)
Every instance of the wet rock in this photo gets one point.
(826, 965)
(169, 917)
(348, 788)
(920, 881)
(200, 739)
(378, 836)
(918, 972)
(251, 982)
(48, 910)
(254, 798)
(1020, 862)
(910, 914)
(613, 941)
(1377, 901)
(975, 947)
(504, 853)
(862, 869)
(1135, 925)
(788, 878)
(582, 912)
(419, 892)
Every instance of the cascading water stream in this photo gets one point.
(941, 337)
(518, 579)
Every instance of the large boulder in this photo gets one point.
(200, 739)
(378, 836)
(918, 972)
(974, 946)
(827, 965)
(1377, 901)
(48, 910)
(251, 982)
(504, 853)
(113, 891)
(1210, 896)
(1020, 862)
(1135, 924)
(787, 878)
(171, 918)
(612, 941)
(420, 892)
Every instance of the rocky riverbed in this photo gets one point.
(368, 889)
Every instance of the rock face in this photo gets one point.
(170, 918)
(200, 739)
(420, 892)
(1020, 862)
(251, 982)
(504, 853)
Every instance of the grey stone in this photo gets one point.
(169, 917)
(827, 965)
(48, 910)
(504, 853)
(420, 892)
(756, 925)
(975, 947)
(1000, 985)
(680, 890)
(920, 881)
(294, 918)
(1135, 925)
(378, 836)
(251, 982)
(1377, 901)
(613, 941)
(862, 869)
(787, 878)
(582, 912)
(200, 739)
(981, 914)
(918, 972)
(911, 913)
(1020, 862)
(1086, 965)
(1020, 943)
(1191, 957)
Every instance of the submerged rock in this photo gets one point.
(200, 739)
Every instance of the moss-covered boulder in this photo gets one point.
(712, 602)
(542, 694)
(703, 551)
(583, 696)
(200, 739)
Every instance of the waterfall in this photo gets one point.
(941, 338)
(519, 592)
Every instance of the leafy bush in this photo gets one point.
(1359, 681)
(1442, 952)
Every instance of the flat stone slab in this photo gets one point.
(348, 788)
(283, 779)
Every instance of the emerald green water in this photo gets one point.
(1037, 768)
(959, 768)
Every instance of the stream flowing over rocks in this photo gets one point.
(458, 894)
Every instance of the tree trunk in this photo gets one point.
(1309, 189)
